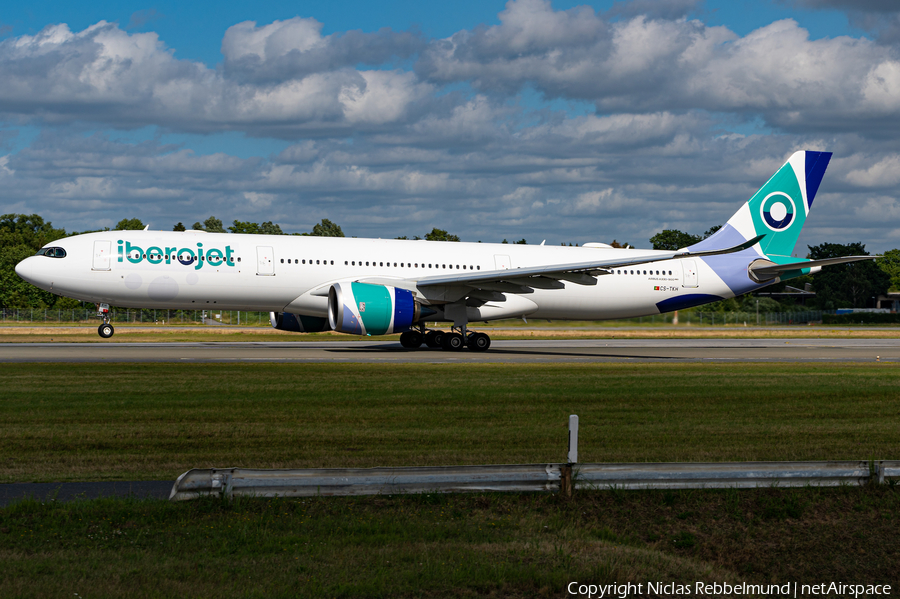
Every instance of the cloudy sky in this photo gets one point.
(564, 121)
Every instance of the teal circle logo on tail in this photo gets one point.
(777, 210)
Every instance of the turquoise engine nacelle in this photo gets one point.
(298, 323)
(367, 309)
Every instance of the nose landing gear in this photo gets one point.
(105, 330)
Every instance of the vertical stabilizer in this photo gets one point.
(779, 209)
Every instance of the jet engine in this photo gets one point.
(298, 323)
(367, 309)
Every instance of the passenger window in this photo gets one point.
(317, 261)
(282, 261)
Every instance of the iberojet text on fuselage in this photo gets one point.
(167, 254)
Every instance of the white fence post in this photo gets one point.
(573, 439)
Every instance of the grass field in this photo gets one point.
(487, 545)
(149, 421)
(154, 421)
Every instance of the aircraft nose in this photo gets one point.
(30, 270)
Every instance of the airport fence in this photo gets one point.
(248, 318)
(696, 318)
(135, 316)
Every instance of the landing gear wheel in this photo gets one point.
(106, 330)
(433, 339)
(411, 339)
(479, 342)
(452, 341)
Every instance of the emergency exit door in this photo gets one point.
(265, 261)
(102, 255)
(690, 273)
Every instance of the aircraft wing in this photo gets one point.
(524, 280)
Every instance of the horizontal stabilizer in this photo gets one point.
(763, 270)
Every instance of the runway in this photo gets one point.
(518, 351)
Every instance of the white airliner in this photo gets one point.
(377, 287)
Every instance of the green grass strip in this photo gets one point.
(492, 545)
(62, 422)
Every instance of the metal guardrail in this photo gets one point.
(720, 475)
(887, 469)
(229, 482)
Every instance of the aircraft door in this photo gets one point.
(690, 273)
(265, 261)
(102, 255)
(501, 262)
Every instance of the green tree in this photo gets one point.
(847, 285)
(267, 228)
(27, 229)
(440, 235)
(673, 239)
(179, 227)
(326, 228)
(890, 264)
(521, 242)
(129, 224)
(248, 228)
(210, 225)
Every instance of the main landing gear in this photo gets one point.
(105, 330)
(455, 340)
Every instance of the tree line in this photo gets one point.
(841, 286)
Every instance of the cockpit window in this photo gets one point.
(52, 252)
